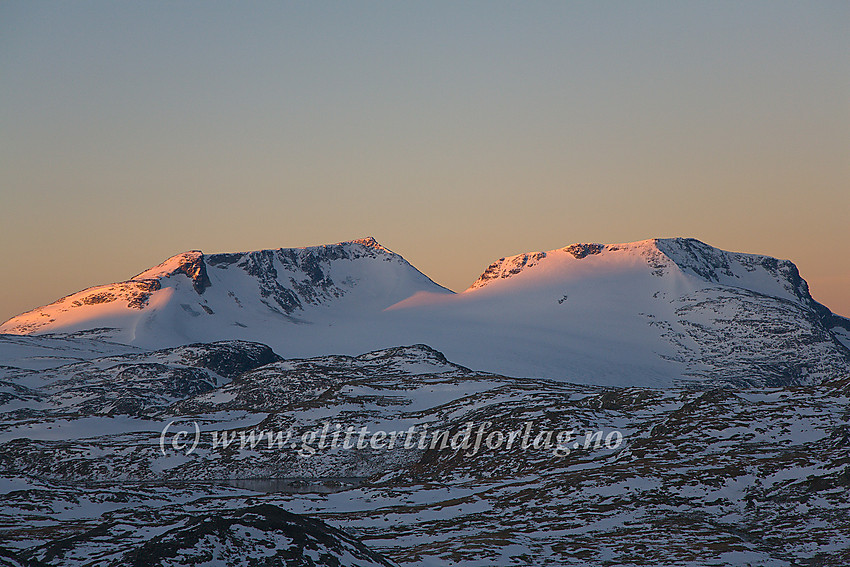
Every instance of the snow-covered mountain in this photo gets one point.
(653, 313)
(195, 297)
(274, 340)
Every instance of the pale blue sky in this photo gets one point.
(453, 132)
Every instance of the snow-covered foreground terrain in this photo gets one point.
(704, 476)
(656, 313)
(668, 403)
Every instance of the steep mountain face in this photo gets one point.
(655, 313)
(192, 296)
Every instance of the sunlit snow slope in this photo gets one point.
(654, 313)
(275, 294)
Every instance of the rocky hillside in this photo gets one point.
(707, 476)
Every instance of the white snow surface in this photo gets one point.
(621, 314)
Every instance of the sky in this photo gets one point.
(455, 133)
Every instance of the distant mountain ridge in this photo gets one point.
(655, 312)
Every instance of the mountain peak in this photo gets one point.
(368, 241)
(663, 309)
(660, 255)
(718, 266)
(215, 295)
(191, 264)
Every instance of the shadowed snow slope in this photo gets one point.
(653, 313)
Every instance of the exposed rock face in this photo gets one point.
(720, 266)
(580, 251)
(507, 267)
(308, 279)
(291, 294)
(196, 270)
(190, 264)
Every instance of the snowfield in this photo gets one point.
(728, 382)
(718, 476)
(657, 313)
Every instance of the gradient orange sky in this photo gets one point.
(454, 133)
